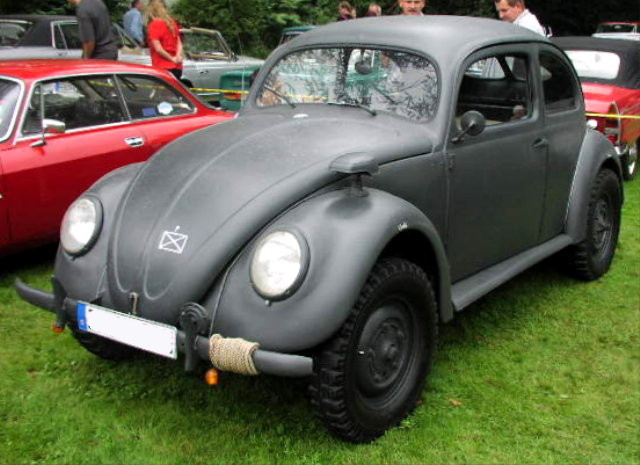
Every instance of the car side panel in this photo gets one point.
(345, 235)
(595, 152)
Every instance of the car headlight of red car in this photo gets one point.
(81, 225)
(279, 263)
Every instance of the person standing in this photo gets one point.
(515, 11)
(95, 30)
(133, 23)
(412, 7)
(345, 11)
(163, 35)
(374, 10)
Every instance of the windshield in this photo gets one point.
(203, 46)
(616, 27)
(376, 80)
(9, 92)
(11, 32)
(595, 64)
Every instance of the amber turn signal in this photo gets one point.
(57, 329)
(211, 377)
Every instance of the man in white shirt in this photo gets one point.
(514, 11)
(412, 7)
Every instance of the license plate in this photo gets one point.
(134, 331)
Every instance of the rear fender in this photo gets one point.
(345, 235)
(596, 152)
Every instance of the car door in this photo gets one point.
(43, 175)
(66, 39)
(162, 112)
(497, 178)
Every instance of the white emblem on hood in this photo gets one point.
(173, 241)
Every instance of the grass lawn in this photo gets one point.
(545, 370)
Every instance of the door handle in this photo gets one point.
(134, 141)
(203, 71)
(540, 143)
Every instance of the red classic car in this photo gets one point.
(65, 123)
(609, 70)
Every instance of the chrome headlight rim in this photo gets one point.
(302, 272)
(97, 205)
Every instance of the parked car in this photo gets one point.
(48, 36)
(65, 123)
(618, 30)
(352, 207)
(236, 83)
(609, 70)
(207, 58)
(289, 33)
(55, 36)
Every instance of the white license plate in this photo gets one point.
(151, 336)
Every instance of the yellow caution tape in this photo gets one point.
(220, 91)
(613, 115)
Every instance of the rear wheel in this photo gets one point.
(629, 160)
(370, 375)
(103, 348)
(591, 258)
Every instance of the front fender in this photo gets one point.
(346, 235)
(83, 277)
(596, 152)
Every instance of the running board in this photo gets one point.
(472, 288)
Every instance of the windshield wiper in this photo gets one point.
(278, 94)
(371, 111)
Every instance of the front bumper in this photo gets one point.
(194, 346)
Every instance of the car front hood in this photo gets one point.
(199, 200)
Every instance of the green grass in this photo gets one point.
(543, 370)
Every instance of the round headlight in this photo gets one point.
(81, 225)
(278, 264)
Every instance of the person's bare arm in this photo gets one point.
(87, 49)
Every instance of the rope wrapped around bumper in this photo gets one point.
(233, 354)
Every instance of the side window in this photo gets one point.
(77, 102)
(147, 97)
(498, 87)
(67, 36)
(558, 83)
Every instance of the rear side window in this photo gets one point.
(12, 32)
(558, 84)
(148, 97)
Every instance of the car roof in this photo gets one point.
(50, 68)
(40, 33)
(443, 37)
(628, 50)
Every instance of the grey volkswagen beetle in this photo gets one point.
(384, 174)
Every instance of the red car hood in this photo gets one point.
(598, 97)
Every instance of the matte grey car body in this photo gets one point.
(377, 181)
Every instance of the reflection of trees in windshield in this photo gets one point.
(202, 44)
(396, 82)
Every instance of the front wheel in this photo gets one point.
(370, 375)
(591, 258)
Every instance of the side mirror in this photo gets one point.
(49, 126)
(473, 123)
(53, 126)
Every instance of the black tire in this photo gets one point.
(591, 258)
(629, 162)
(103, 348)
(370, 375)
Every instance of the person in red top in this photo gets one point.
(163, 36)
